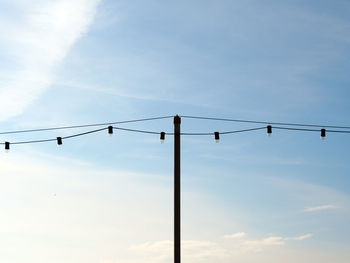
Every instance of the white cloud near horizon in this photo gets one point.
(35, 39)
(208, 251)
(192, 250)
(319, 208)
(55, 201)
(235, 235)
(306, 236)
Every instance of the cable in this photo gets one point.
(50, 140)
(170, 133)
(212, 133)
(309, 130)
(85, 125)
(246, 130)
(36, 141)
(84, 133)
(167, 117)
(129, 130)
(140, 131)
(265, 122)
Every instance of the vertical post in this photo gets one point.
(177, 192)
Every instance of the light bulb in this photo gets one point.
(323, 134)
(59, 141)
(162, 137)
(217, 137)
(269, 130)
(7, 147)
(110, 130)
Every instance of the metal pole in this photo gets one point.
(177, 204)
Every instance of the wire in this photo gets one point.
(36, 141)
(66, 137)
(83, 133)
(170, 133)
(309, 130)
(266, 122)
(183, 116)
(140, 131)
(246, 130)
(85, 125)
(129, 130)
(226, 132)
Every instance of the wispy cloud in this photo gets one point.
(37, 38)
(299, 237)
(258, 245)
(207, 251)
(320, 208)
(269, 241)
(236, 235)
(193, 250)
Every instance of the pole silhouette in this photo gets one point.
(177, 191)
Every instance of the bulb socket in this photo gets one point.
(162, 137)
(7, 146)
(269, 129)
(59, 141)
(110, 130)
(216, 136)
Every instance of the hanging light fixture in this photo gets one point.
(269, 130)
(110, 130)
(59, 141)
(162, 137)
(7, 146)
(216, 137)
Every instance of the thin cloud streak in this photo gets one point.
(300, 237)
(36, 44)
(207, 251)
(319, 208)
(236, 235)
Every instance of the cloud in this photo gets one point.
(259, 244)
(236, 235)
(203, 251)
(192, 250)
(37, 38)
(319, 208)
(298, 238)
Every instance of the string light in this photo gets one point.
(344, 130)
(323, 134)
(216, 137)
(110, 130)
(7, 146)
(162, 137)
(59, 141)
(269, 130)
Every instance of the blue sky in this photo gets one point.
(102, 199)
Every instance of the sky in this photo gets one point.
(109, 199)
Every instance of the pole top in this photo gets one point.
(177, 119)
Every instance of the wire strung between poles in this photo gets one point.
(84, 125)
(265, 122)
(171, 133)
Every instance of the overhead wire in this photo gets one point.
(309, 130)
(171, 133)
(167, 117)
(281, 126)
(265, 122)
(133, 130)
(85, 125)
(64, 137)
